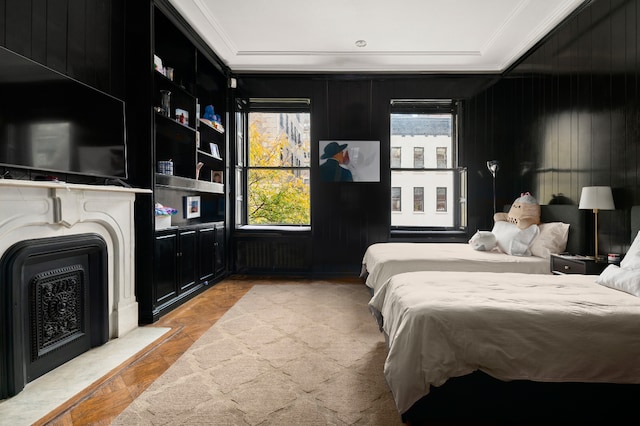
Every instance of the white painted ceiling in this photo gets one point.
(401, 35)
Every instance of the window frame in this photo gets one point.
(458, 191)
(244, 107)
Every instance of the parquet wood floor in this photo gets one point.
(103, 401)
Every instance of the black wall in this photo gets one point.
(348, 217)
(565, 117)
(568, 116)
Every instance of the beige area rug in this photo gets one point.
(285, 354)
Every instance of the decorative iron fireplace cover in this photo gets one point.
(53, 305)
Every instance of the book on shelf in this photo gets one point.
(215, 152)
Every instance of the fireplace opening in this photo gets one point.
(53, 305)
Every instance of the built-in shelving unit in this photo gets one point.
(187, 251)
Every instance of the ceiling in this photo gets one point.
(399, 36)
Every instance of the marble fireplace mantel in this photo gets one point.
(34, 209)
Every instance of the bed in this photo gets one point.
(511, 326)
(383, 260)
(572, 340)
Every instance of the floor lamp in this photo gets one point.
(494, 166)
(596, 198)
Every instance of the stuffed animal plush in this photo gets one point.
(524, 212)
(483, 241)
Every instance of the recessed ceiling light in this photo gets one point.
(361, 43)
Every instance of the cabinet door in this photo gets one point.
(206, 246)
(219, 251)
(188, 259)
(166, 271)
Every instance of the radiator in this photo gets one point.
(276, 255)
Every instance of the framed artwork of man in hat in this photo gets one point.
(331, 170)
(349, 161)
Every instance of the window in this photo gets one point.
(441, 199)
(441, 157)
(275, 173)
(396, 197)
(396, 153)
(434, 180)
(418, 199)
(418, 157)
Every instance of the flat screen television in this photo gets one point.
(54, 124)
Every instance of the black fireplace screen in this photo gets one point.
(53, 305)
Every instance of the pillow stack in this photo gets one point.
(625, 277)
(551, 240)
(536, 240)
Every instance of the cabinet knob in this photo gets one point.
(566, 267)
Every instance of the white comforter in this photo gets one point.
(511, 326)
(384, 260)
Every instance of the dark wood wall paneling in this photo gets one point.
(83, 39)
(348, 217)
(568, 116)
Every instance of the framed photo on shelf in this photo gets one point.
(182, 116)
(217, 176)
(191, 206)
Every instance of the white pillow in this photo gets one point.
(627, 280)
(483, 241)
(631, 260)
(513, 240)
(552, 239)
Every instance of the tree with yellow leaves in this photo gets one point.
(278, 191)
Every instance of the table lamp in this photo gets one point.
(596, 198)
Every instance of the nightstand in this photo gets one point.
(573, 264)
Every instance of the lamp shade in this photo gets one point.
(596, 197)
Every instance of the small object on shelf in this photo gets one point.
(216, 126)
(215, 152)
(217, 176)
(163, 216)
(165, 102)
(198, 168)
(157, 64)
(209, 113)
(163, 222)
(191, 206)
(165, 167)
(169, 73)
(182, 116)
